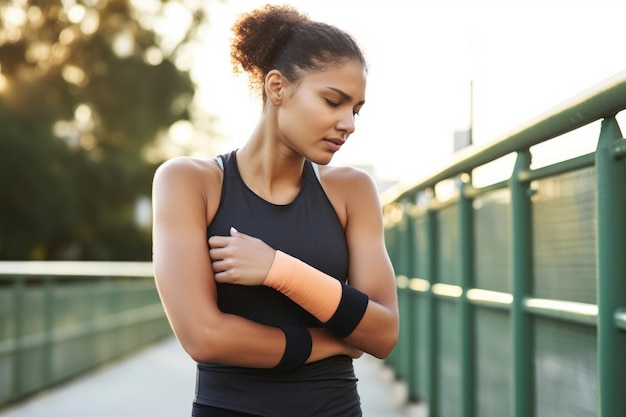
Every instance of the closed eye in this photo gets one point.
(335, 104)
(332, 103)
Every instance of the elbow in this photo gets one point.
(386, 346)
(387, 336)
(201, 346)
(199, 353)
(385, 343)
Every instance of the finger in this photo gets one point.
(219, 276)
(236, 233)
(217, 254)
(218, 241)
(225, 276)
(219, 266)
(214, 241)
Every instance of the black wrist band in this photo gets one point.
(297, 349)
(349, 313)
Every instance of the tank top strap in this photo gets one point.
(219, 161)
(316, 170)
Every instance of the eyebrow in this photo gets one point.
(345, 96)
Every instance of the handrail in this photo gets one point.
(606, 98)
(74, 268)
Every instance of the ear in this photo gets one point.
(275, 86)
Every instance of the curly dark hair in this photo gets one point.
(282, 38)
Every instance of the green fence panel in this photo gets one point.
(60, 319)
(564, 237)
(449, 364)
(566, 370)
(512, 296)
(492, 242)
(449, 266)
(493, 363)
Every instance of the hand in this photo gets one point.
(240, 259)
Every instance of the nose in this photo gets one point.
(346, 123)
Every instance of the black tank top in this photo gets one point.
(309, 229)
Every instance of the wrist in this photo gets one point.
(298, 346)
(339, 306)
(311, 289)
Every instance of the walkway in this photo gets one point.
(159, 382)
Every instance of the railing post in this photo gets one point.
(466, 249)
(402, 266)
(402, 368)
(523, 400)
(392, 242)
(19, 337)
(611, 247)
(410, 326)
(48, 329)
(431, 308)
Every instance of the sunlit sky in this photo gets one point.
(524, 57)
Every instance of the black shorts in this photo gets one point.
(200, 410)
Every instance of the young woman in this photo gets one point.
(271, 265)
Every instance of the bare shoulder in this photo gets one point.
(189, 178)
(348, 179)
(187, 168)
(351, 191)
(187, 171)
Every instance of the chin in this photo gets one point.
(325, 160)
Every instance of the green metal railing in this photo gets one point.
(513, 294)
(59, 319)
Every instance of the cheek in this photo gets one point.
(316, 115)
(301, 118)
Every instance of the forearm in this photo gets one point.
(338, 306)
(345, 311)
(377, 332)
(238, 341)
(233, 340)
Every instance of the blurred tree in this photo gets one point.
(86, 87)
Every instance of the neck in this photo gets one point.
(268, 166)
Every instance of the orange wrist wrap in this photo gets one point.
(313, 290)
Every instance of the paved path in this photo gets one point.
(159, 382)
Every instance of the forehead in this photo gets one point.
(349, 77)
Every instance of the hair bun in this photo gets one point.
(282, 38)
(258, 35)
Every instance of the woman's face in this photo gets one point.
(317, 114)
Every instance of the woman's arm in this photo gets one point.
(370, 269)
(242, 259)
(183, 199)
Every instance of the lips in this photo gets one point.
(334, 143)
